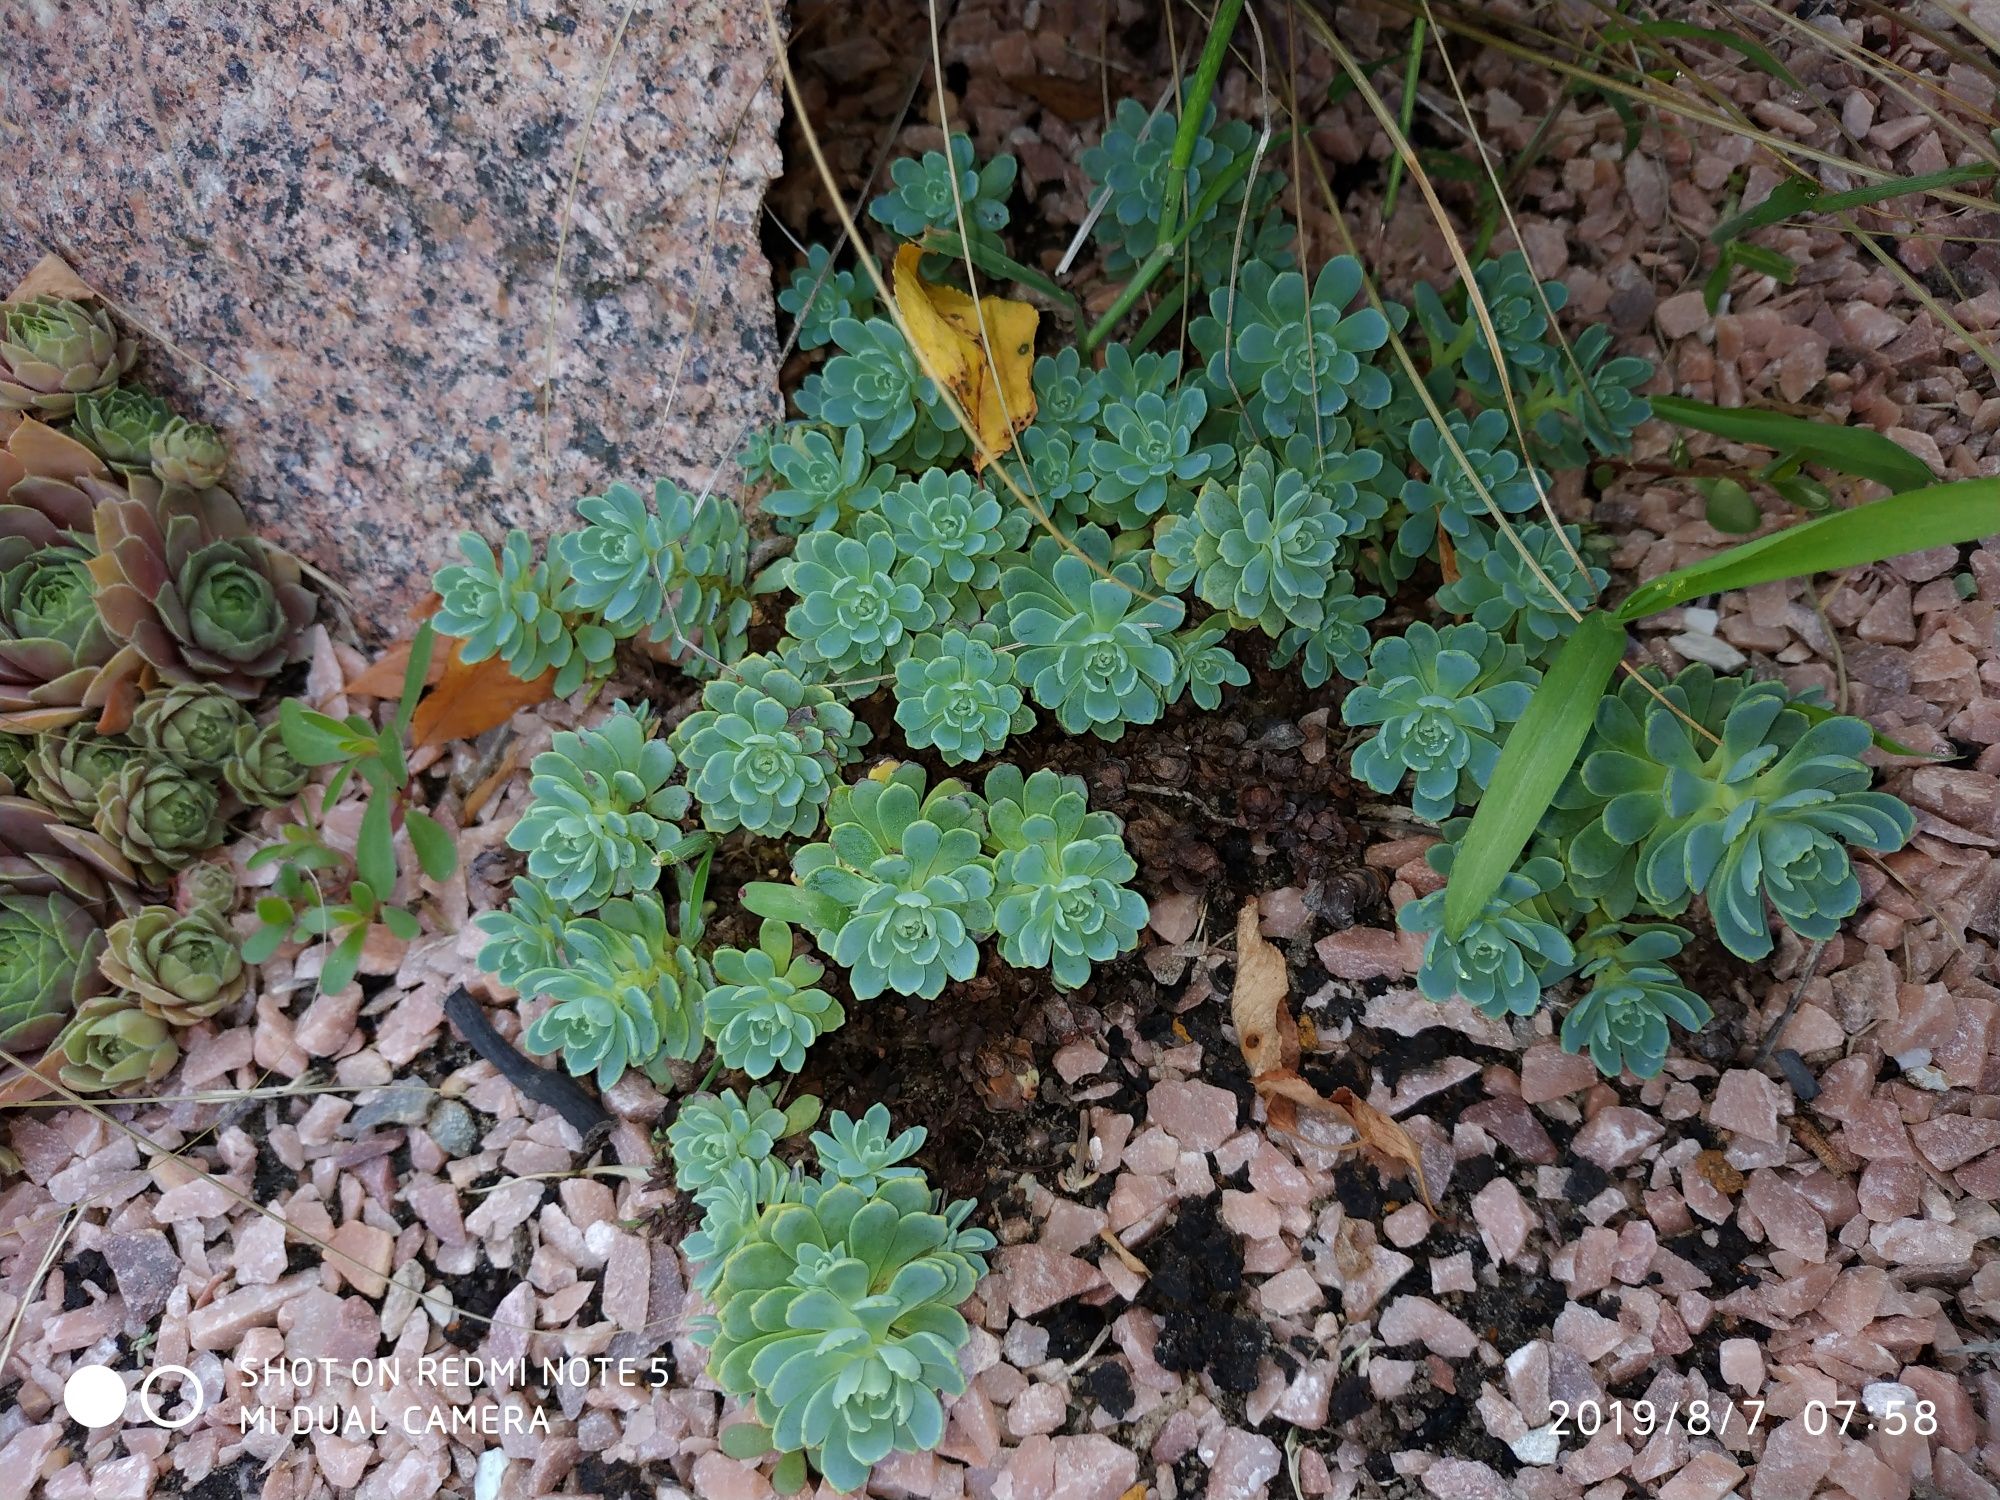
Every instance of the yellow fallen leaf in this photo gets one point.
(946, 328)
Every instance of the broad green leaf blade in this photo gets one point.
(1944, 515)
(788, 903)
(436, 852)
(344, 961)
(1859, 451)
(400, 923)
(1539, 752)
(745, 1440)
(1817, 714)
(375, 846)
(415, 671)
(801, 1114)
(316, 739)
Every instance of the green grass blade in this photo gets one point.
(1798, 196)
(1943, 515)
(1859, 451)
(1539, 752)
(1214, 52)
(1748, 50)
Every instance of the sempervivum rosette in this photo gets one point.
(53, 350)
(191, 593)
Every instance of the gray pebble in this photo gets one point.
(453, 1128)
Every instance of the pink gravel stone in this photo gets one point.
(1277, 1177)
(1708, 1476)
(361, 1256)
(1950, 1141)
(1747, 1103)
(1742, 1364)
(1503, 1219)
(1038, 1278)
(328, 1021)
(1040, 1408)
(1244, 1465)
(1291, 1294)
(1093, 1467)
(1175, 916)
(1789, 1219)
(1466, 1479)
(1794, 1460)
(717, 1476)
(1362, 953)
(1078, 1060)
(1420, 1321)
(1549, 1073)
(1137, 1202)
(1198, 1115)
(1251, 1215)
(1922, 1242)
(1618, 1136)
(1407, 1226)
(1890, 1190)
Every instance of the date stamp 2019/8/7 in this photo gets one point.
(1701, 1418)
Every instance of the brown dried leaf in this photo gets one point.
(471, 699)
(52, 277)
(1264, 1028)
(1716, 1170)
(1381, 1133)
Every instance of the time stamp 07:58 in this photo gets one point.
(1716, 1418)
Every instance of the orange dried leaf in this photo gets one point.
(1264, 1028)
(946, 327)
(52, 277)
(383, 677)
(470, 699)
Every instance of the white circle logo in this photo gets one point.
(198, 1396)
(94, 1395)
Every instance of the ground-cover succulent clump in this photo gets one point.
(1118, 541)
(144, 632)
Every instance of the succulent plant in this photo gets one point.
(924, 194)
(207, 885)
(1339, 643)
(1068, 393)
(762, 750)
(1519, 312)
(1293, 357)
(955, 693)
(158, 816)
(195, 597)
(67, 770)
(182, 969)
(1496, 586)
(875, 384)
(959, 531)
(1151, 457)
(49, 486)
(860, 598)
(710, 1136)
(1760, 815)
(765, 1009)
(614, 560)
(862, 1153)
(1595, 403)
(1449, 497)
(603, 820)
(42, 855)
(1260, 549)
(823, 486)
(1059, 871)
(110, 1043)
(507, 605)
(1093, 634)
(524, 935)
(1622, 1019)
(261, 768)
(14, 750)
(731, 1202)
(1127, 376)
(53, 642)
(1507, 954)
(837, 1318)
(1050, 467)
(1204, 665)
(902, 890)
(119, 424)
(625, 994)
(53, 350)
(1441, 698)
(49, 944)
(188, 453)
(191, 724)
(818, 294)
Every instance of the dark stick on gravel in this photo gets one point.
(1792, 1005)
(544, 1085)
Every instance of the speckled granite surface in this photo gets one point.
(350, 212)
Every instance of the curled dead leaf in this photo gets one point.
(471, 698)
(962, 345)
(51, 276)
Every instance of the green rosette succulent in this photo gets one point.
(958, 530)
(1448, 498)
(67, 770)
(836, 1316)
(182, 969)
(1204, 666)
(626, 995)
(188, 453)
(822, 487)
(1050, 466)
(1293, 356)
(1621, 1021)
(1594, 404)
(860, 599)
(1151, 457)
(119, 425)
(53, 642)
(709, 1136)
(762, 750)
(863, 1153)
(1092, 634)
(505, 604)
(818, 294)
(1441, 698)
(603, 818)
(1339, 643)
(207, 885)
(876, 385)
(40, 854)
(53, 350)
(931, 191)
(191, 724)
(1068, 393)
(14, 750)
(1260, 549)
(525, 934)
(158, 816)
(731, 1202)
(1498, 588)
(766, 1009)
(261, 768)
(111, 1043)
(1508, 954)
(1127, 376)
(1060, 896)
(900, 893)
(1518, 311)
(956, 694)
(49, 946)
(614, 560)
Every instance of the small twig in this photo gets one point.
(561, 1093)
(1791, 1006)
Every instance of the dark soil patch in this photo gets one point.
(86, 1267)
(1196, 1291)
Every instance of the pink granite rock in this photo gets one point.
(1038, 1278)
(1093, 1467)
(1748, 1104)
(1618, 1136)
(1420, 1321)
(1198, 1115)
(380, 193)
